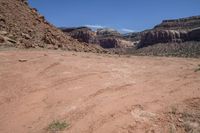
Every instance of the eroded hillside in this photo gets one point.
(23, 27)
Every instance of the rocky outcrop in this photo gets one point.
(82, 34)
(106, 38)
(172, 31)
(194, 34)
(109, 43)
(114, 43)
(163, 36)
(180, 24)
(106, 32)
(26, 28)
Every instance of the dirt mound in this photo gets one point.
(26, 28)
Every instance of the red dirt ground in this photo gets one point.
(93, 93)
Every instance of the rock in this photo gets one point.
(180, 24)
(109, 43)
(2, 20)
(106, 38)
(2, 40)
(194, 35)
(25, 2)
(22, 60)
(166, 36)
(107, 32)
(26, 43)
(26, 36)
(162, 36)
(49, 39)
(112, 42)
(172, 31)
(11, 40)
(3, 33)
(82, 34)
(26, 23)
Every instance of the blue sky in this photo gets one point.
(123, 15)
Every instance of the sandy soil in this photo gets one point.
(93, 93)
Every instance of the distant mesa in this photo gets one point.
(104, 37)
(175, 31)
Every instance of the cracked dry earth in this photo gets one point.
(98, 93)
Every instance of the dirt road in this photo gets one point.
(95, 93)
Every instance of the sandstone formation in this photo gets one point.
(112, 42)
(172, 31)
(163, 36)
(106, 38)
(82, 34)
(26, 28)
(180, 24)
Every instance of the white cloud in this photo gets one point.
(95, 26)
(127, 30)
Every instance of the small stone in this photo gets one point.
(3, 33)
(26, 36)
(2, 20)
(11, 40)
(22, 60)
(180, 120)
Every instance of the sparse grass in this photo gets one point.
(172, 129)
(57, 126)
(173, 110)
(197, 69)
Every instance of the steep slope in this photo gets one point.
(22, 26)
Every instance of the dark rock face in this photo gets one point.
(194, 34)
(2, 40)
(109, 43)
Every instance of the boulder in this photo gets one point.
(2, 40)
